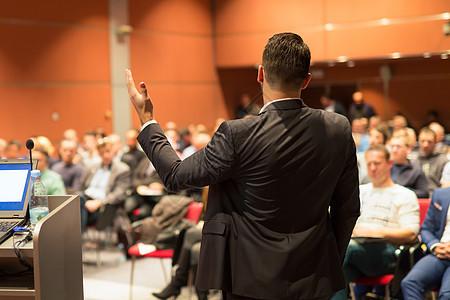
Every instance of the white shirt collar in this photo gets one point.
(273, 101)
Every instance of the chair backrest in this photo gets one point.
(424, 203)
(194, 211)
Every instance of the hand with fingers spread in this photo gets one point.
(141, 101)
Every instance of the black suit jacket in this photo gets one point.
(283, 200)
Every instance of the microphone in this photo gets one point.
(30, 145)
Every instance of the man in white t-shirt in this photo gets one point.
(389, 217)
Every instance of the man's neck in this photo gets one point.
(269, 95)
(385, 184)
(401, 162)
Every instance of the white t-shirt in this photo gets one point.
(391, 207)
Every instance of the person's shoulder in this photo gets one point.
(365, 188)
(57, 165)
(442, 193)
(52, 174)
(403, 193)
(120, 166)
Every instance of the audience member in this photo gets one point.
(440, 146)
(389, 212)
(116, 146)
(377, 136)
(173, 138)
(133, 156)
(402, 172)
(332, 105)
(13, 149)
(445, 179)
(100, 132)
(3, 145)
(185, 139)
(145, 191)
(199, 141)
(45, 143)
(360, 109)
(188, 258)
(400, 123)
(374, 121)
(171, 125)
(69, 170)
(431, 163)
(433, 270)
(52, 181)
(89, 157)
(104, 187)
(246, 107)
(70, 134)
(359, 130)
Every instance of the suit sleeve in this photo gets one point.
(207, 166)
(345, 203)
(430, 226)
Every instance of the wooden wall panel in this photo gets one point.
(27, 111)
(356, 31)
(54, 57)
(171, 49)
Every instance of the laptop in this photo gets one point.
(15, 181)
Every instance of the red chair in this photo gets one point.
(193, 214)
(424, 203)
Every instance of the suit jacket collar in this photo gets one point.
(287, 104)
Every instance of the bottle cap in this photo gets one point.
(35, 173)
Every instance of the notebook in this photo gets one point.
(15, 180)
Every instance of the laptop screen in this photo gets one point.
(14, 181)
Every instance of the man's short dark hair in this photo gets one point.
(384, 130)
(286, 61)
(427, 129)
(45, 153)
(380, 148)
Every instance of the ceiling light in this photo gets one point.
(395, 55)
(444, 56)
(329, 26)
(427, 55)
(342, 59)
(384, 21)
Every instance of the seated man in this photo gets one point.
(402, 172)
(146, 190)
(67, 168)
(389, 212)
(432, 270)
(431, 162)
(104, 187)
(54, 184)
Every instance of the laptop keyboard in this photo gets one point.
(7, 225)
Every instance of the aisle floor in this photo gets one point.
(112, 279)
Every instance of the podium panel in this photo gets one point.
(54, 252)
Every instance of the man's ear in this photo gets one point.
(260, 76)
(306, 82)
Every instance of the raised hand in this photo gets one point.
(141, 101)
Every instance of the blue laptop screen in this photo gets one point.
(14, 179)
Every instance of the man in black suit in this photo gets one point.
(283, 197)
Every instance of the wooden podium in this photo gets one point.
(54, 252)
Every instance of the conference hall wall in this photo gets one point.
(364, 35)
(54, 67)
(172, 49)
(55, 70)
